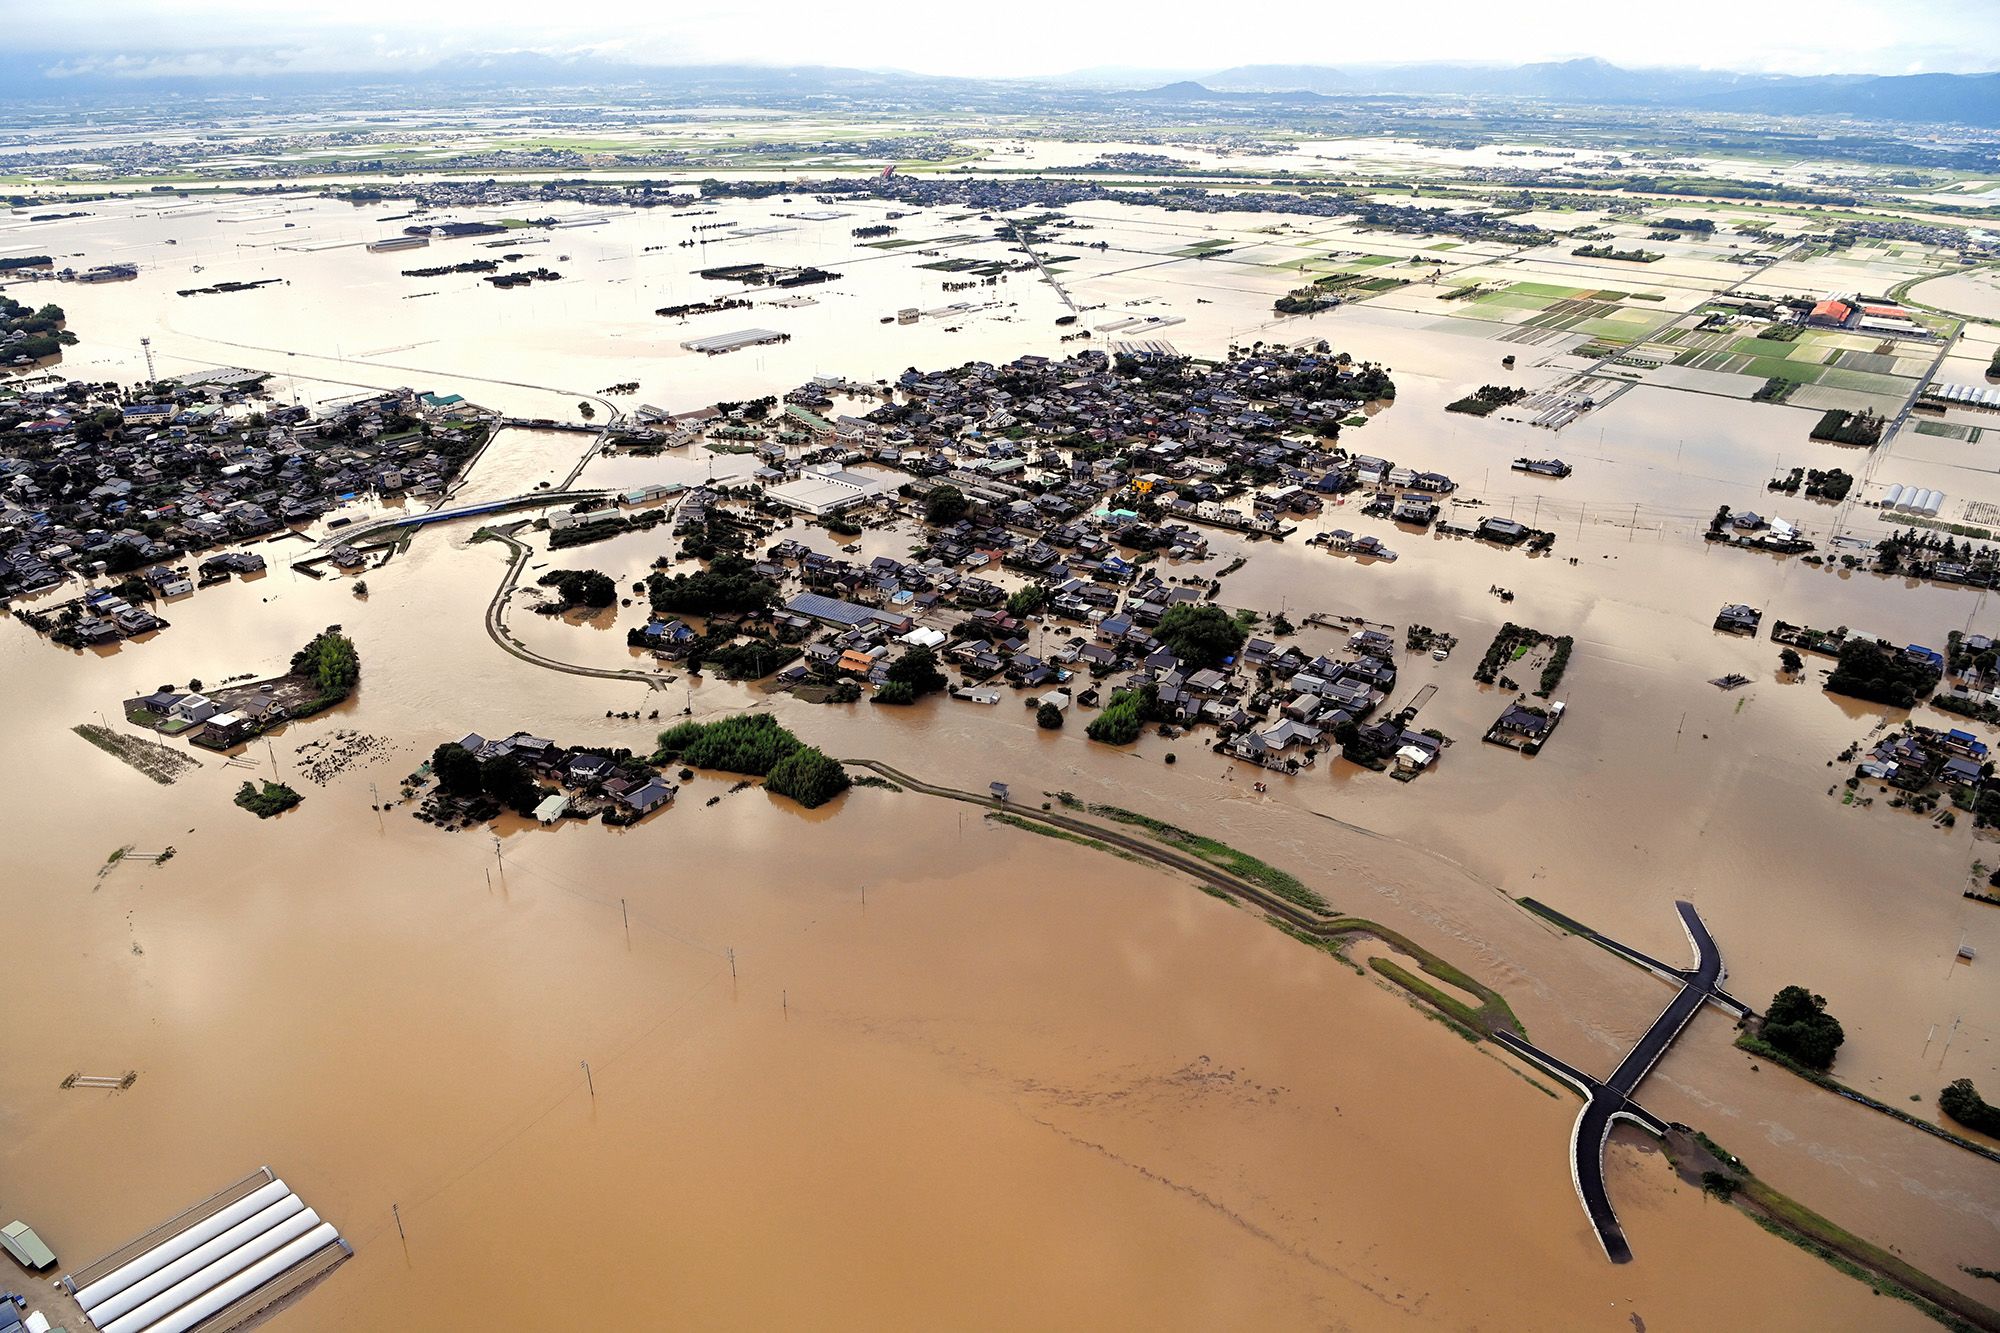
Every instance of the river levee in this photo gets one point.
(961, 1074)
(890, 1063)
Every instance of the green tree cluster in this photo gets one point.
(1962, 1102)
(456, 769)
(581, 587)
(1200, 634)
(1799, 1026)
(1121, 720)
(1028, 600)
(1867, 670)
(754, 743)
(730, 583)
(945, 505)
(918, 669)
(331, 663)
(274, 798)
(808, 776)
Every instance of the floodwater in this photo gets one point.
(1020, 1082)
(961, 1075)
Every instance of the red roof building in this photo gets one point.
(1832, 312)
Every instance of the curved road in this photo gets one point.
(496, 628)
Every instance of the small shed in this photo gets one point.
(552, 808)
(19, 1239)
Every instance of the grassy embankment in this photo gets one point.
(1700, 1161)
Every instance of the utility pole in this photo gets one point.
(398, 1214)
(732, 964)
(626, 912)
(497, 857)
(274, 759)
(588, 1082)
(375, 800)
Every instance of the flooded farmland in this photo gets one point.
(887, 1062)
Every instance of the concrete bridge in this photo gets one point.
(379, 526)
(1608, 1101)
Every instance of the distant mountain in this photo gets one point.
(1968, 99)
(1280, 79)
(77, 78)
(1965, 99)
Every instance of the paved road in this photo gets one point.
(1608, 1101)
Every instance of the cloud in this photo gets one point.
(1030, 37)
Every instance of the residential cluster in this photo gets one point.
(122, 485)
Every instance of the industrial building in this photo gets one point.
(717, 343)
(830, 489)
(213, 1266)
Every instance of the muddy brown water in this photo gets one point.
(1019, 1082)
(1022, 1083)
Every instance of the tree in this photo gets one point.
(945, 504)
(1356, 744)
(506, 781)
(808, 776)
(1200, 634)
(1049, 718)
(1121, 721)
(456, 769)
(1798, 1025)
(918, 669)
(730, 583)
(1962, 1102)
(1028, 600)
(751, 743)
(331, 663)
(581, 587)
(1867, 670)
(360, 588)
(1790, 662)
(895, 692)
(586, 411)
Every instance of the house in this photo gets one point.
(1959, 772)
(1414, 509)
(588, 768)
(1738, 619)
(1524, 728)
(649, 796)
(226, 729)
(1413, 758)
(1504, 530)
(194, 708)
(1288, 746)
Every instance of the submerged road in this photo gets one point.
(1609, 1100)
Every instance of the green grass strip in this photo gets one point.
(1221, 855)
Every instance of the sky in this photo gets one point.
(1025, 39)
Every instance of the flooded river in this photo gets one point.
(961, 1075)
